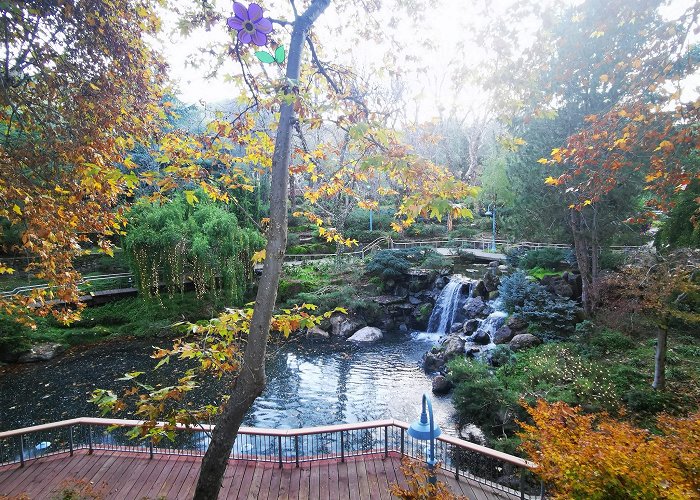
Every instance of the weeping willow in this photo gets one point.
(172, 243)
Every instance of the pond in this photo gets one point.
(310, 383)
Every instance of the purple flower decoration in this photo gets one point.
(252, 27)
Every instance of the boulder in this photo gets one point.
(456, 327)
(440, 282)
(480, 338)
(343, 325)
(441, 385)
(491, 280)
(403, 328)
(524, 341)
(503, 335)
(480, 290)
(475, 307)
(452, 346)
(433, 362)
(366, 334)
(470, 326)
(472, 352)
(558, 285)
(517, 324)
(317, 332)
(41, 352)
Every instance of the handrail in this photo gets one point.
(305, 431)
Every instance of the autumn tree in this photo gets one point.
(78, 87)
(594, 456)
(612, 75)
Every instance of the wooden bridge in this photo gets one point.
(352, 461)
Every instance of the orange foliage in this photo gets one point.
(596, 457)
(418, 487)
(80, 88)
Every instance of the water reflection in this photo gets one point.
(346, 383)
(309, 384)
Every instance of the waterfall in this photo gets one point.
(445, 307)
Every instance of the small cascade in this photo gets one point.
(492, 323)
(445, 307)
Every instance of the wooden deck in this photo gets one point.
(127, 476)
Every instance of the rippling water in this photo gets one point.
(308, 383)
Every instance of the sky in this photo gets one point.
(422, 90)
(429, 93)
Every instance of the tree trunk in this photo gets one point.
(660, 358)
(251, 380)
(583, 260)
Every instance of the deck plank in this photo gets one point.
(293, 493)
(129, 475)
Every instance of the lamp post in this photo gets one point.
(425, 429)
(491, 212)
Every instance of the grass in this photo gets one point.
(540, 272)
(133, 317)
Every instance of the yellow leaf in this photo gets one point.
(543, 161)
(551, 181)
(259, 256)
(190, 197)
(604, 78)
(587, 202)
(6, 270)
(17, 210)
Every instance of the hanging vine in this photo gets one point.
(170, 244)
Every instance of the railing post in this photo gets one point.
(89, 439)
(386, 441)
(296, 450)
(70, 439)
(522, 483)
(21, 450)
(150, 448)
(403, 431)
(279, 449)
(342, 446)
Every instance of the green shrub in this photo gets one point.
(608, 342)
(480, 398)
(548, 258)
(678, 229)
(463, 232)
(611, 260)
(14, 338)
(548, 314)
(426, 230)
(540, 272)
(647, 401)
(436, 261)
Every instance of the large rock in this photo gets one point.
(366, 334)
(441, 385)
(517, 324)
(41, 352)
(491, 280)
(436, 359)
(558, 285)
(480, 337)
(343, 325)
(480, 290)
(476, 308)
(452, 346)
(317, 332)
(470, 326)
(524, 341)
(503, 335)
